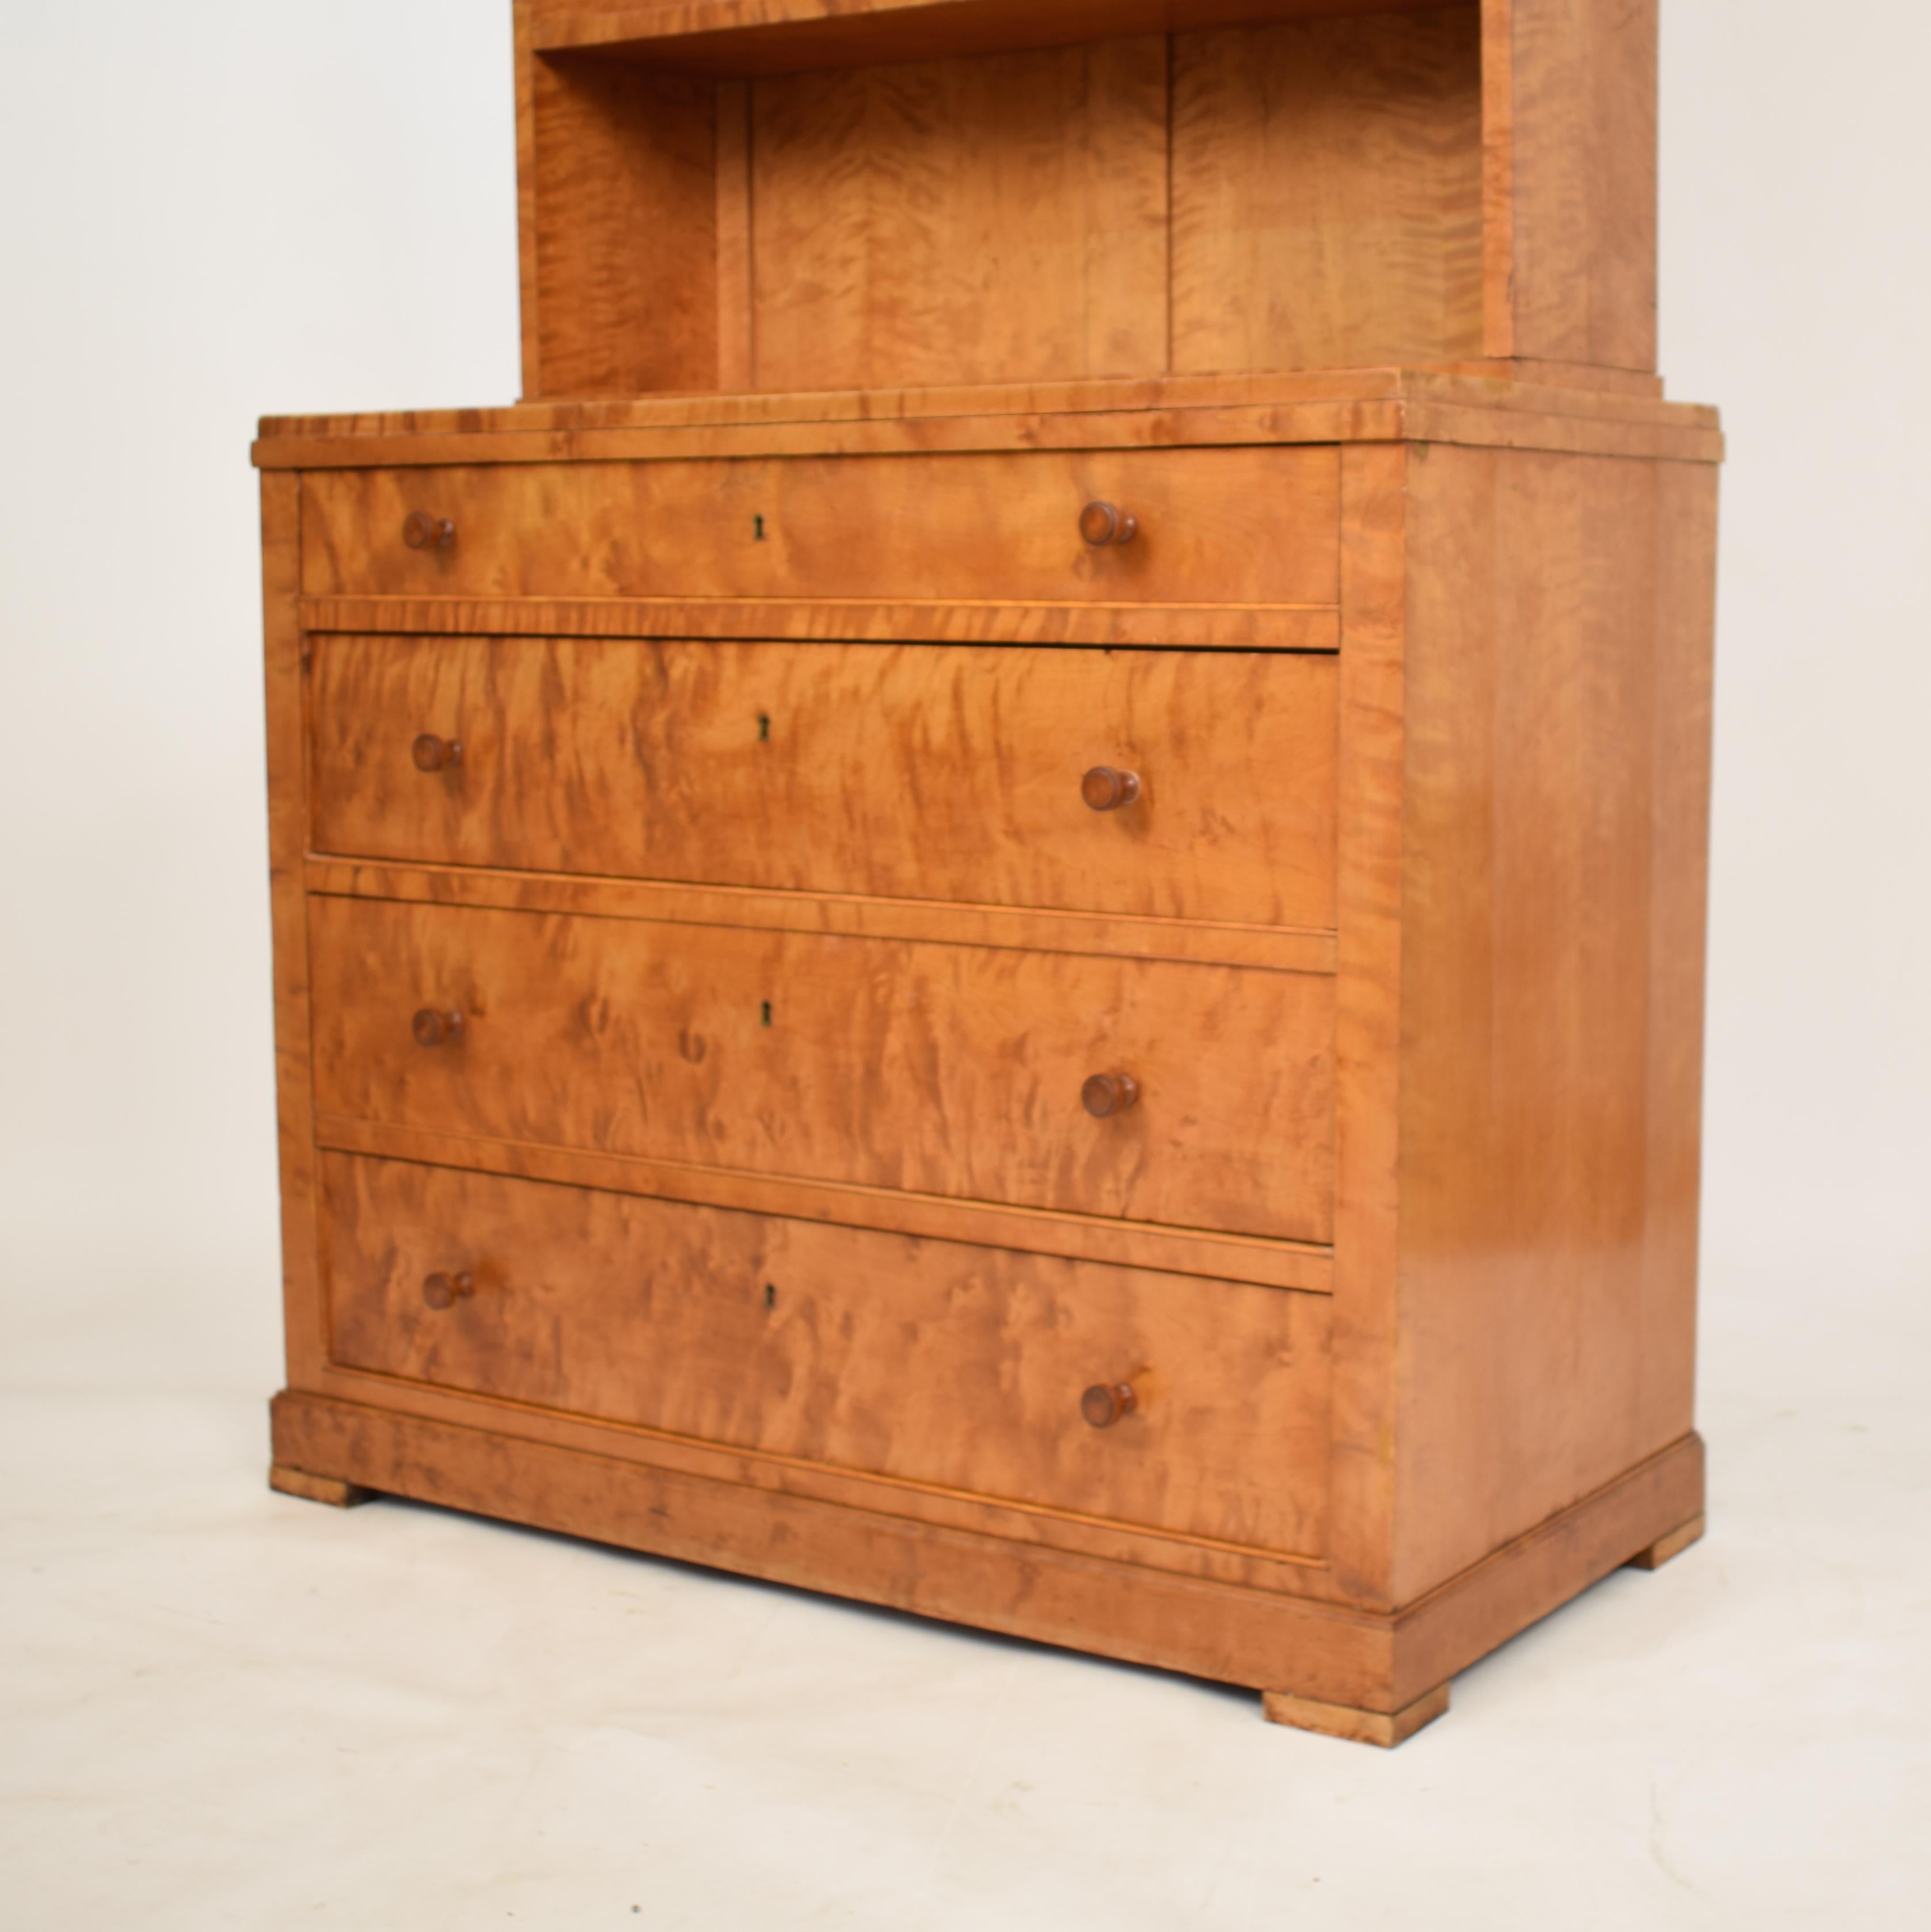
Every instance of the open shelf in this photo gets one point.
(744, 196)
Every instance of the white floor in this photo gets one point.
(222, 1707)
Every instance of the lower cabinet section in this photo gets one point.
(1194, 1407)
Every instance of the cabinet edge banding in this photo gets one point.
(832, 915)
(700, 1451)
(1250, 1260)
(1095, 626)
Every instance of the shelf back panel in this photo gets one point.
(1003, 218)
(1302, 194)
(1327, 193)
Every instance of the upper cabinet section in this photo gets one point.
(810, 194)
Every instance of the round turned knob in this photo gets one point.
(433, 754)
(445, 1290)
(1106, 790)
(421, 531)
(432, 1028)
(1104, 523)
(1105, 1403)
(1108, 1093)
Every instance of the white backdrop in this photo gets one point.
(214, 210)
(211, 209)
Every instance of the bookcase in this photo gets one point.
(1002, 910)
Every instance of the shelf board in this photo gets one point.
(749, 37)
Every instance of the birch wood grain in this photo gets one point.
(842, 1346)
(944, 1069)
(766, 766)
(1249, 526)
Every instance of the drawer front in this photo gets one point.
(943, 1069)
(916, 772)
(925, 1361)
(1241, 526)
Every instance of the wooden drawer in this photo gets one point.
(944, 1069)
(925, 1360)
(920, 772)
(1234, 526)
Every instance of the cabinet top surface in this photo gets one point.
(1343, 405)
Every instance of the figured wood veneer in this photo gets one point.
(1279, 949)
(845, 1347)
(1327, 193)
(976, 187)
(965, 221)
(1555, 835)
(1205, 1254)
(1509, 404)
(1569, 174)
(1066, 210)
(1310, 628)
(941, 1069)
(621, 196)
(765, 765)
(1250, 526)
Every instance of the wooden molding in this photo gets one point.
(1361, 1660)
(1268, 1263)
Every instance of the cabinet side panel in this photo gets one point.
(283, 678)
(624, 164)
(1571, 193)
(1558, 767)
(1368, 1008)
(1679, 816)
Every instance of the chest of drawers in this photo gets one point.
(1073, 1006)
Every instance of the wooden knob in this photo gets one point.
(432, 1028)
(1105, 1403)
(1106, 1094)
(1104, 523)
(421, 531)
(1106, 790)
(433, 754)
(445, 1290)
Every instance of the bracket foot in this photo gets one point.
(1659, 1551)
(329, 1489)
(1361, 1727)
